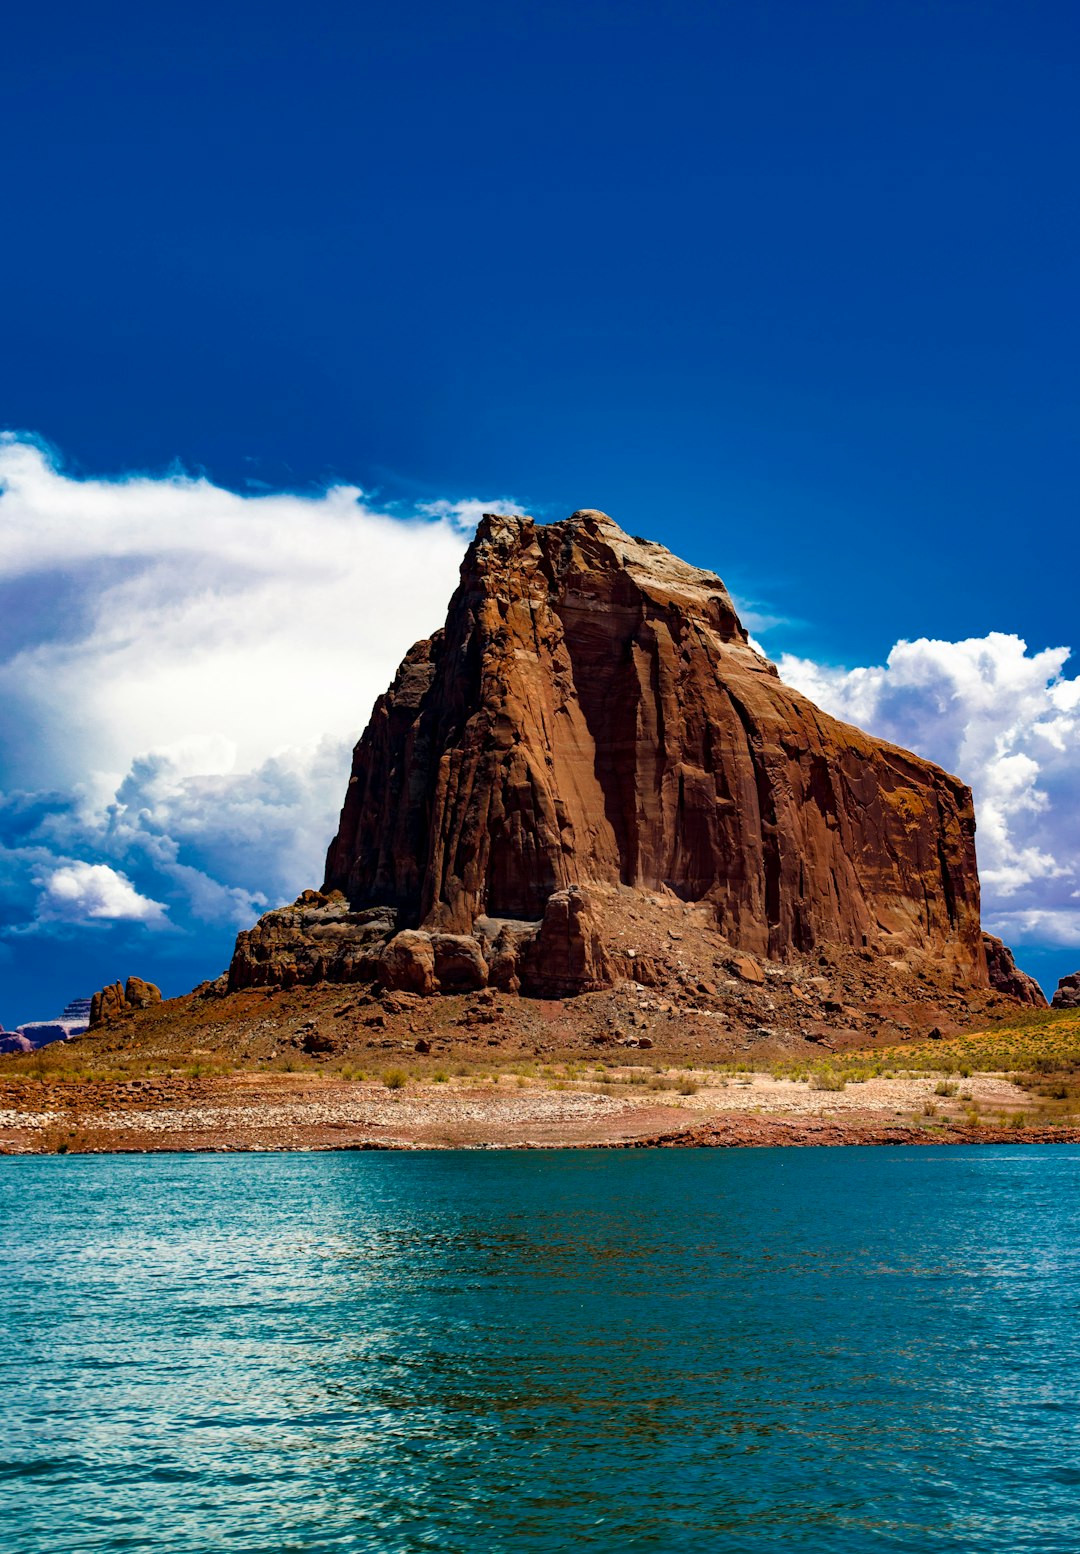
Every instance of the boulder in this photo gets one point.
(503, 943)
(117, 998)
(567, 955)
(407, 963)
(460, 966)
(746, 968)
(317, 1045)
(1068, 992)
(139, 994)
(1006, 977)
(11, 1043)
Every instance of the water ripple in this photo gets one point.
(830, 1350)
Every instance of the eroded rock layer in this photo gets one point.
(593, 713)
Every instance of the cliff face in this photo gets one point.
(592, 713)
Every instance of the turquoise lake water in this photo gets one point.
(821, 1349)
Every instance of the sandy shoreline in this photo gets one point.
(270, 1112)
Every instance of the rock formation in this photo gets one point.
(590, 741)
(593, 714)
(13, 1044)
(1006, 976)
(118, 998)
(42, 1033)
(317, 939)
(1068, 992)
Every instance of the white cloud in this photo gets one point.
(183, 671)
(1006, 721)
(77, 892)
(179, 611)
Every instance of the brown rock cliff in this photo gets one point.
(593, 713)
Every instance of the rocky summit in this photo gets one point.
(592, 745)
(117, 998)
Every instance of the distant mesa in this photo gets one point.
(28, 1037)
(590, 735)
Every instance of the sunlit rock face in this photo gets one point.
(592, 713)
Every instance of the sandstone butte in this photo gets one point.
(591, 731)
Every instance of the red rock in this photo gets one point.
(1068, 992)
(139, 994)
(407, 963)
(567, 956)
(1007, 977)
(504, 955)
(593, 714)
(747, 969)
(116, 999)
(317, 939)
(316, 1045)
(107, 1004)
(460, 966)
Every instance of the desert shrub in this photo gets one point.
(827, 1079)
(395, 1079)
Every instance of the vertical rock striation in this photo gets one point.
(593, 713)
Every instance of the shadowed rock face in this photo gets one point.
(1068, 992)
(317, 939)
(1006, 976)
(593, 712)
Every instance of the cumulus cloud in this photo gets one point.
(1007, 721)
(78, 892)
(175, 609)
(183, 671)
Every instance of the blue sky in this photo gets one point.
(791, 288)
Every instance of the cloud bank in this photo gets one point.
(183, 670)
